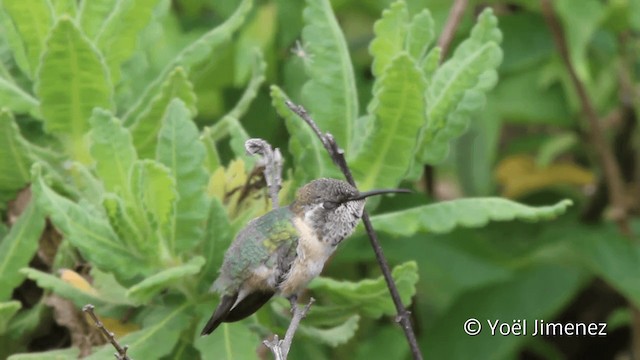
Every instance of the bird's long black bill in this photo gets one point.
(366, 194)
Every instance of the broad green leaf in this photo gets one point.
(93, 13)
(163, 326)
(213, 161)
(368, 297)
(398, 110)
(23, 326)
(390, 35)
(311, 159)
(155, 190)
(72, 80)
(473, 212)
(18, 248)
(180, 149)
(118, 36)
(92, 235)
(430, 62)
(330, 95)
(257, 36)
(146, 125)
(420, 35)
(145, 290)
(471, 68)
(16, 99)
(14, 43)
(384, 343)
(228, 342)
(334, 336)
(130, 225)
(193, 54)
(65, 7)
(7, 310)
(63, 354)
(15, 155)
(32, 19)
(217, 238)
(113, 151)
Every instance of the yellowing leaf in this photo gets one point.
(119, 328)
(519, 175)
(77, 281)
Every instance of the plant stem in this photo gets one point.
(121, 351)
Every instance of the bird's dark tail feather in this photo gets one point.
(226, 303)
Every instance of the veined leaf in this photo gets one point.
(217, 238)
(180, 149)
(63, 354)
(7, 310)
(16, 99)
(473, 212)
(65, 7)
(146, 126)
(92, 235)
(334, 336)
(369, 297)
(113, 151)
(330, 95)
(130, 226)
(420, 35)
(155, 189)
(228, 342)
(72, 80)
(145, 290)
(118, 35)
(14, 42)
(32, 19)
(162, 329)
(93, 13)
(399, 113)
(390, 35)
(193, 54)
(15, 155)
(311, 159)
(18, 247)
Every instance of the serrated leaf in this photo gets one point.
(180, 149)
(72, 80)
(16, 99)
(18, 247)
(15, 155)
(129, 224)
(368, 297)
(162, 329)
(228, 342)
(113, 151)
(217, 238)
(311, 159)
(118, 36)
(146, 126)
(93, 13)
(390, 36)
(145, 290)
(334, 336)
(473, 212)
(330, 94)
(155, 190)
(7, 310)
(399, 113)
(420, 35)
(63, 354)
(91, 235)
(32, 20)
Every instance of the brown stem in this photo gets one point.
(449, 30)
(337, 155)
(280, 348)
(121, 351)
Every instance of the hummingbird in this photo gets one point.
(280, 252)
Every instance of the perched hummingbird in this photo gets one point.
(281, 251)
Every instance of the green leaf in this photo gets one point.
(32, 20)
(93, 13)
(16, 99)
(163, 326)
(180, 149)
(113, 151)
(251, 91)
(390, 35)
(145, 290)
(15, 155)
(155, 189)
(311, 159)
(471, 68)
(65, 7)
(72, 80)
(385, 343)
(130, 225)
(18, 248)
(14, 43)
(146, 125)
(334, 336)
(399, 113)
(63, 354)
(473, 212)
(330, 95)
(213, 161)
(7, 311)
(217, 238)
(228, 342)
(92, 235)
(368, 297)
(118, 36)
(420, 35)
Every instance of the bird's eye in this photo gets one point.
(329, 205)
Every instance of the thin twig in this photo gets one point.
(337, 155)
(121, 351)
(450, 27)
(608, 163)
(280, 348)
(272, 166)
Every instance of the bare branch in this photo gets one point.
(337, 155)
(450, 27)
(121, 351)
(280, 348)
(272, 160)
